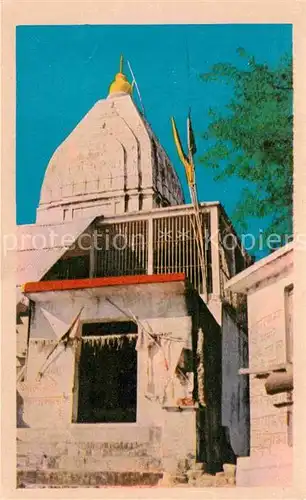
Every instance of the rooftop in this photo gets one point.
(265, 268)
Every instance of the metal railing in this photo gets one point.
(175, 248)
(122, 248)
(162, 242)
(159, 241)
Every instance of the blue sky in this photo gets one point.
(63, 70)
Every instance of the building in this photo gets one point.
(112, 262)
(268, 285)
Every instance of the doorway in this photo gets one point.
(107, 381)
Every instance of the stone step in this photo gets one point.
(68, 462)
(76, 478)
(124, 449)
(93, 456)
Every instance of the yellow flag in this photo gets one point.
(178, 143)
(189, 173)
(189, 169)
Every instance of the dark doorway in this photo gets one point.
(108, 373)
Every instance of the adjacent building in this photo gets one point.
(269, 288)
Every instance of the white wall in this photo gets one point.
(160, 310)
(270, 461)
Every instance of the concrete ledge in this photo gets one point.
(92, 432)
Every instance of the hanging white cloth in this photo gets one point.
(180, 381)
(161, 355)
(172, 389)
(160, 371)
(148, 348)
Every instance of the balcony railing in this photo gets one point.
(160, 241)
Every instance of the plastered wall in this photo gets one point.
(267, 348)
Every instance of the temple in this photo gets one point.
(118, 329)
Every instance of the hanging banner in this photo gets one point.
(56, 324)
(73, 332)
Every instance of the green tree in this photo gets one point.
(253, 139)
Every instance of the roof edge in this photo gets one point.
(76, 284)
(251, 276)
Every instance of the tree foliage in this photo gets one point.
(253, 139)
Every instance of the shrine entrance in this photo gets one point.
(107, 373)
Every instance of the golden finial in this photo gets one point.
(121, 83)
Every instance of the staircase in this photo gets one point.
(89, 455)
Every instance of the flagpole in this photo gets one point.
(190, 173)
(199, 231)
(137, 88)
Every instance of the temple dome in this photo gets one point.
(111, 163)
